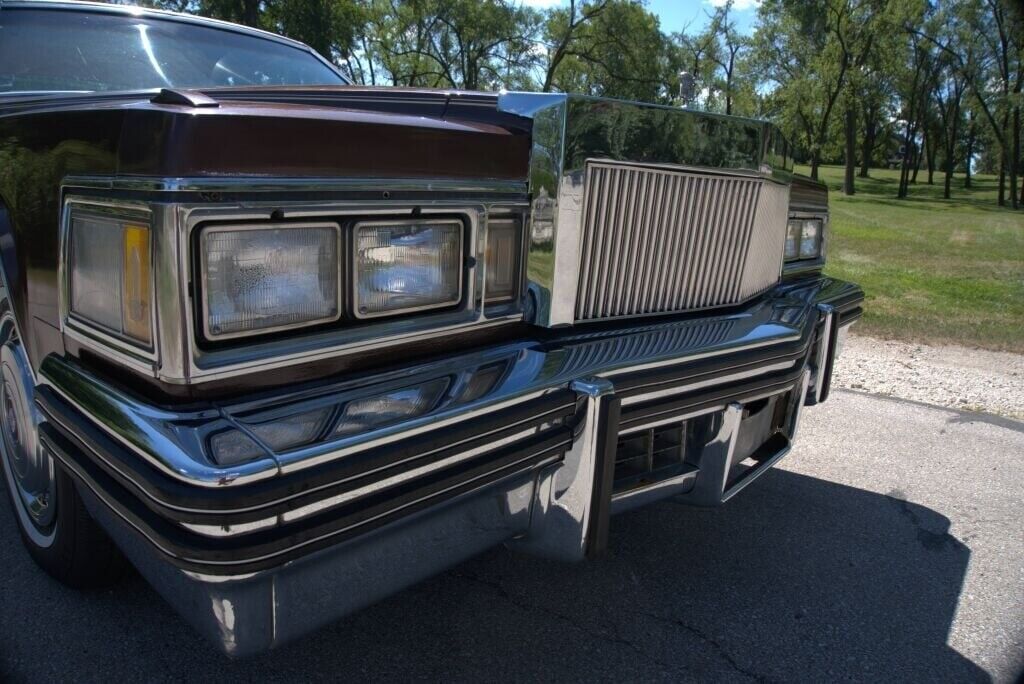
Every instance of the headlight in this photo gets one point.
(504, 246)
(258, 279)
(793, 229)
(403, 266)
(111, 276)
(803, 238)
(810, 239)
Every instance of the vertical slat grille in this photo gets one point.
(658, 240)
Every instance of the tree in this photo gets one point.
(799, 54)
(621, 53)
(949, 93)
(563, 29)
(984, 41)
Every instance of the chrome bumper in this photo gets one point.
(257, 554)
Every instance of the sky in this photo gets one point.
(676, 15)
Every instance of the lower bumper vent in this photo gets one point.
(649, 456)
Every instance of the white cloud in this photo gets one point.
(739, 5)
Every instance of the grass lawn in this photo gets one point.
(933, 270)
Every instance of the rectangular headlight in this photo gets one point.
(503, 249)
(403, 266)
(264, 278)
(110, 274)
(810, 239)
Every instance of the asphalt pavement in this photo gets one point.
(888, 546)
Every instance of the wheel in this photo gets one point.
(55, 527)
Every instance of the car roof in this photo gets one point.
(134, 11)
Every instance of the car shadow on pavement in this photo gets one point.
(797, 579)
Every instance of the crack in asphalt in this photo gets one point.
(713, 643)
(705, 638)
(504, 594)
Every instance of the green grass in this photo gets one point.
(933, 270)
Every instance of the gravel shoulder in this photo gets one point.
(949, 376)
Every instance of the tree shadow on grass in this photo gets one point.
(938, 202)
(797, 579)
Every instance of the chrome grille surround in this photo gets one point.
(659, 239)
(571, 133)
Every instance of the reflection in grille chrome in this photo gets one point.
(661, 240)
(591, 356)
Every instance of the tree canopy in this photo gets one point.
(931, 85)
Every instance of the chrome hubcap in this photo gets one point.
(30, 469)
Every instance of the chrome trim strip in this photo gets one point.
(374, 518)
(413, 473)
(179, 466)
(771, 341)
(717, 380)
(259, 184)
(740, 398)
(821, 363)
(221, 531)
(661, 422)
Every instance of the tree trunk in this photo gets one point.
(908, 147)
(815, 162)
(916, 166)
(251, 13)
(951, 137)
(867, 148)
(851, 147)
(929, 158)
(1015, 159)
(969, 151)
(1001, 200)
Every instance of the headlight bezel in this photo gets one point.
(181, 354)
(800, 262)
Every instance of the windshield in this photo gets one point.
(47, 50)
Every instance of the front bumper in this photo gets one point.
(522, 448)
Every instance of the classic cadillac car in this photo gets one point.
(290, 344)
